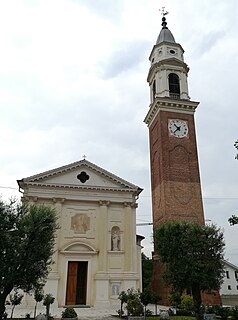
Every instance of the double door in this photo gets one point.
(76, 291)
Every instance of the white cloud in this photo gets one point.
(73, 82)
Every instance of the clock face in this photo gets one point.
(178, 128)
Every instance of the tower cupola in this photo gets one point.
(168, 73)
(165, 33)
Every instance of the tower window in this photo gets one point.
(227, 275)
(153, 89)
(229, 287)
(174, 88)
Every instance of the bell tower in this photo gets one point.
(175, 179)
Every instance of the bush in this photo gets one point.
(175, 299)
(135, 307)
(223, 312)
(183, 312)
(148, 312)
(187, 302)
(210, 309)
(69, 313)
(234, 313)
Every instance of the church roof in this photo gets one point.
(82, 174)
(165, 33)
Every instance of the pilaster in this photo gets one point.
(103, 235)
(129, 237)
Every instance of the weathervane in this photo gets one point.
(163, 12)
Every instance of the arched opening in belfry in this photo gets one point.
(174, 87)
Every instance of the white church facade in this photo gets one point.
(97, 252)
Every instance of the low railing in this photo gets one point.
(175, 96)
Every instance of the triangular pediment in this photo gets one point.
(80, 174)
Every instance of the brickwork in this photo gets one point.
(175, 183)
(176, 190)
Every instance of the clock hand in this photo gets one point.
(177, 128)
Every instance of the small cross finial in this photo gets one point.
(84, 157)
(163, 12)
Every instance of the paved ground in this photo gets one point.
(83, 313)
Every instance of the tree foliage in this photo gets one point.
(15, 299)
(147, 270)
(193, 257)
(48, 300)
(38, 296)
(234, 219)
(26, 247)
(236, 146)
(135, 300)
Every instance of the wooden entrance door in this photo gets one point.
(76, 291)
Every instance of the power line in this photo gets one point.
(3, 187)
(204, 198)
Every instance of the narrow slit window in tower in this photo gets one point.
(153, 90)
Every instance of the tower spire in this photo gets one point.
(165, 34)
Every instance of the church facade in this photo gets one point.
(97, 252)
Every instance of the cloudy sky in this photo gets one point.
(73, 83)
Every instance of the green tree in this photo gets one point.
(48, 300)
(187, 302)
(193, 257)
(236, 146)
(26, 247)
(155, 298)
(145, 298)
(175, 299)
(123, 298)
(38, 296)
(234, 219)
(147, 270)
(15, 299)
(134, 304)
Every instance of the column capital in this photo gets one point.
(104, 203)
(130, 204)
(58, 200)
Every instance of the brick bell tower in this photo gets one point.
(175, 179)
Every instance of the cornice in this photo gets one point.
(169, 105)
(79, 187)
(167, 64)
(165, 43)
(38, 179)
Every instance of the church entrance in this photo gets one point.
(76, 291)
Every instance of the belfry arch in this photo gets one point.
(174, 86)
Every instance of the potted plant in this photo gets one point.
(69, 313)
